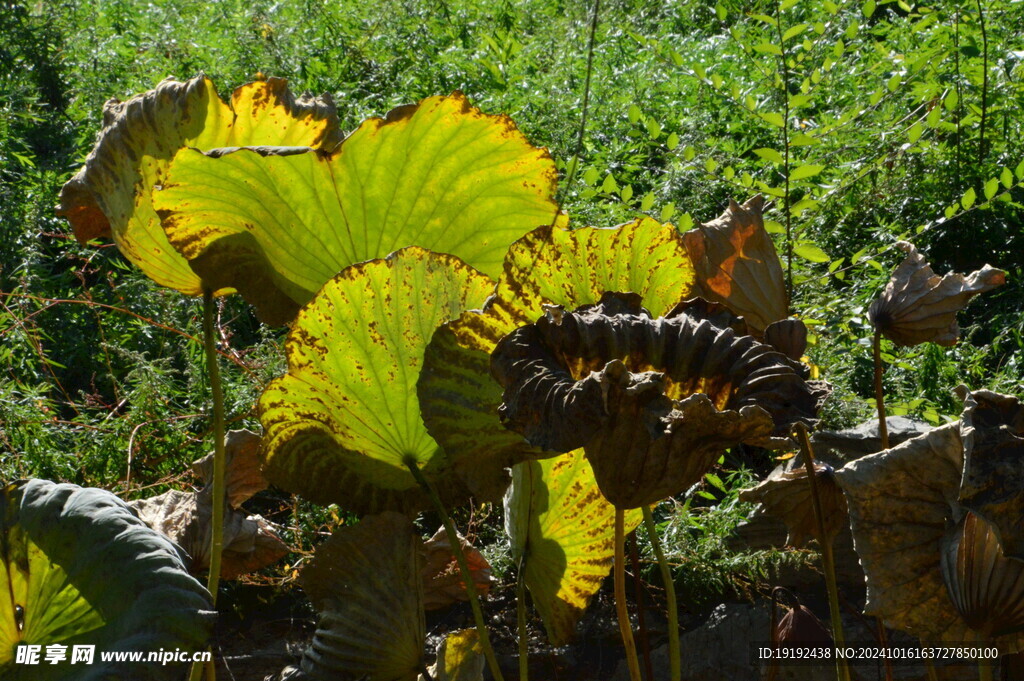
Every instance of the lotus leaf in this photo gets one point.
(459, 658)
(992, 428)
(442, 582)
(557, 519)
(737, 264)
(653, 401)
(112, 195)
(551, 265)
(242, 462)
(276, 225)
(917, 306)
(902, 502)
(986, 586)
(786, 495)
(366, 582)
(61, 544)
(344, 421)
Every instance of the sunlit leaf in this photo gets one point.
(770, 154)
(78, 568)
(440, 175)
(918, 306)
(653, 402)
(112, 194)
(365, 581)
(737, 264)
(342, 423)
(460, 657)
(549, 266)
(805, 171)
(558, 520)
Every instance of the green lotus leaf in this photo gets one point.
(549, 266)
(276, 226)
(341, 424)
(112, 194)
(60, 545)
(365, 581)
(460, 657)
(558, 520)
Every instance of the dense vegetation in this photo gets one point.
(865, 123)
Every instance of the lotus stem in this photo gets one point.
(930, 668)
(985, 670)
(217, 532)
(521, 620)
(674, 662)
(460, 558)
(638, 598)
(883, 427)
(632, 661)
(828, 563)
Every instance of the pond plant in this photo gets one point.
(451, 336)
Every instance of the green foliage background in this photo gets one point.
(866, 122)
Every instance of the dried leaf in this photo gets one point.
(786, 495)
(788, 336)
(917, 306)
(442, 581)
(366, 581)
(242, 475)
(901, 502)
(653, 402)
(737, 264)
(986, 587)
(250, 541)
(992, 428)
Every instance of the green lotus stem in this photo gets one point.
(632, 661)
(460, 557)
(674, 663)
(521, 620)
(828, 563)
(217, 532)
(930, 668)
(883, 427)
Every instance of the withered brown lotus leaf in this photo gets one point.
(243, 477)
(986, 587)
(251, 542)
(786, 495)
(992, 428)
(442, 581)
(366, 581)
(737, 264)
(788, 336)
(653, 401)
(901, 501)
(918, 306)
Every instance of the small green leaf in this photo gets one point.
(720, 12)
(775, 119)
(805, 171)
(894, 82)
(868, 8)
(991, 187)
(794, 31)
(689, 153)
(934, 116)
(667, 211)
(647, 202)
(1019, 171)
(968, 198)
(634, 113)
(831, 7)
(715, 482)
(609, 186)
(809, 251)
(685, 222)
(803, 140)
(774, 227)
(729, 173)
(768, 48)
(653, 128)
(949, 212)
(915, 132)
(1006, 177)
(626, 193)
(711, 165)
(672, 142)
(591, 176)
(951, 100)
(770, 155)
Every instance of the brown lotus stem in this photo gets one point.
(521, 619)
(883, 642)
(460, 557)
(632, 661)
(825, 542)
(217, 532)
(883, 427)
(674, 660)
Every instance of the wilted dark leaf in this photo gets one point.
(442, 580)
(918, 306)
(786, 495)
